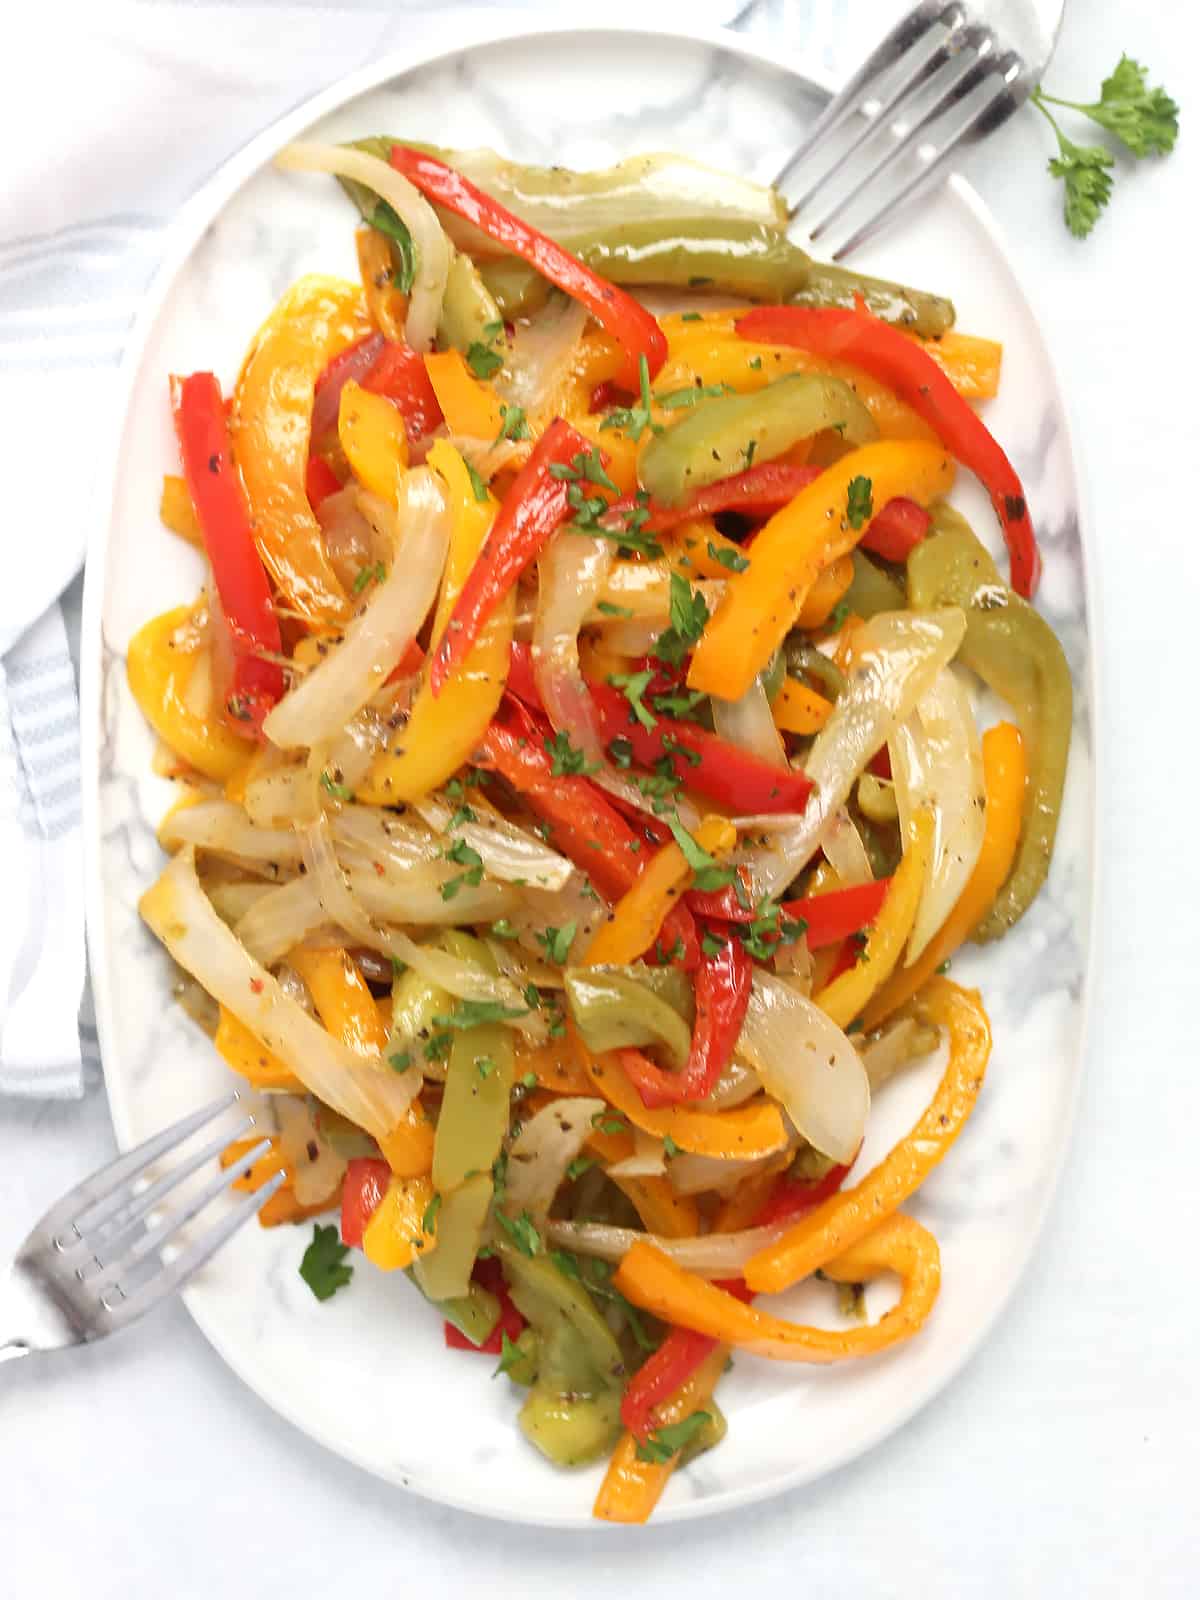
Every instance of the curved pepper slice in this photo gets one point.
(753, 1129)
(847, 1217)
(533, 508)
(440, 734)
(634, 329)
(845, 997)
(1004, 785)
(399, 375)
(635, 921)
(899, 1244)
(255, 684)
(270, 424)
(161, 658)
(860, 338)
(809, 534)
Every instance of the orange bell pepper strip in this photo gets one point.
(831, 584)
(159, 663)
(899, 1244)
(345, 1006)
(469, 407)
(740, 1208)
(387, 306)
(176, 511)
(761, 604)
(633, 1487)
(554, 1065)
(972, 364)
(851, 1214)
(395, 1235)
(1004, 775)
(282, 1205)
(270, 424)
(799, 709)
(847, 995)
(753, 1129)
(251, 1060)
(636, 919)
(442, 731)
(371, 433)
(671, 1215)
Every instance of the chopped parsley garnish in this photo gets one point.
(323, 1265)
(837, 617)
(483, 361)
(462, 854)
(689, 613)
(384, 220)
(670, 1148)
(734, 560)
(859, 509)
(610, 1122)
(708, 875)
(339, 791)
(511, 1355)
(485, 1066)
(683, 751)
(607, 609)
(748, 451)
(634, 685)
(503, 929)
(710, 945)
(375, 574)
(634, 420)
(576, 1168)
(769, 928)
(621, 751)
(565, 760)
(461, 815)
(678, 703)
(476, 1014)
(755, 363)
(437, 1046)
(557, 942)
(522, 1231)
(401, 1061)
(678, 399)
(429, 1220)
(664, 1443)
(479, 488)
(512, 423)
(691, 316)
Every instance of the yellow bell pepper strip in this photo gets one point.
(469, 407)
(972, 364)
(387, 306)
(673, 1216)
(176, 511)
(899, 1244)
(847, 995)
(753, 1129)
(253, 1061)
(1004, 774)
(282, 1205)
(475, 1106)
(270, 424)
(634, 922)
(850, 1215)
(396, 1233)
(832, 584)
(371, 432)
(554, 1065)
(811, 533)
(162, 656)
(633, 1486)
(441, 733)
(347, 1009)
(799, 709)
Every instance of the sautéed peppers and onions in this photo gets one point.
(580, 792)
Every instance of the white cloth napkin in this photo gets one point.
(142, 104)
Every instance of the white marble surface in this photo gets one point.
(1060, 1457)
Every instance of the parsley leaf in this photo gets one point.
(512, 424)
(1084, 169)
(1146, 121)
(475, 1014)
(607, 609)
(522, 1231)
(664, 1443)
(634, 686)
(376, 574)
(511, 1355)
(576, 1169)
(710, 945)
(557, 942)
(733, 559)
(678, 703)
(634, 420)
(565, 760)
(461, 853)
(401, 1061)
(478, 487)
(689, 613)
(323, 1265)
(709, 875)
(677, 399)
(503, 929)
(384, 220)
(483, 361)
(859, 508)
(429, 1220)
(769, 928)
(339, 791)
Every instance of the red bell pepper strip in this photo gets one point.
(733, 778)
(835, 916)
(363, 1188)
(355, 361)
(320, 481)
(533, 508)
(722, 986)
(880, 764)
(521, 680)
(757, 492)
(864, 341)
(724, 905)
(399, 373)
(896, 530)
(618, 313)
(668, 1369)
(216, 490)
(583, 824)
(792, 1197)
(510, 1321)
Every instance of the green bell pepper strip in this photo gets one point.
(722, 436)
(474, 1114)
(516, 288)
(445, 1273)
(415, 1003)
(1015, 652)
(614, 1010)
(470, 315)
(475, 1314)
(572, 1413)
(871, 590)
(804, 660)
(929, 315)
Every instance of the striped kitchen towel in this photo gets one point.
(41, 866)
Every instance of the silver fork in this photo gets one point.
(94, 1263)
(948, 74)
